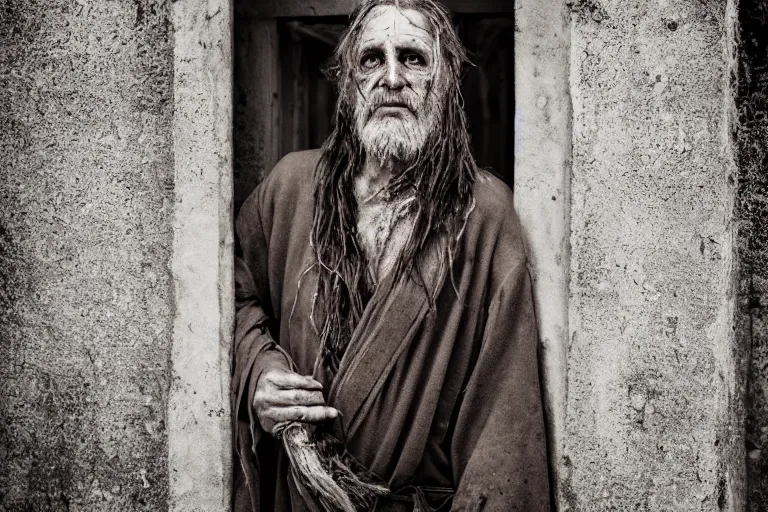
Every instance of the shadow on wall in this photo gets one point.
(752, 134)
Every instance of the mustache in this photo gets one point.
(392, 99)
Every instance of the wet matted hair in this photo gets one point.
(441, 179)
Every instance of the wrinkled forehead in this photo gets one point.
(390, 22)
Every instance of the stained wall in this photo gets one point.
(86, 181)
(654, 415)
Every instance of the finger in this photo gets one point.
(291, 380)
(303, 397)
(314, 414)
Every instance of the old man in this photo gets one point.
(383, 294)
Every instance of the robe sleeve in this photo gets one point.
(498, 451)
(255, 350)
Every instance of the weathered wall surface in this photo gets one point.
(654, 410)
(199, 419)
(753, 238)
(542, 192)
(86, 180)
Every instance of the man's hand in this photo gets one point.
(287, 396)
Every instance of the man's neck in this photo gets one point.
(383, 226)
(374, 177)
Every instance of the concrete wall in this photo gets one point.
(86, 181)
(115, 154)
(542, 193)
(654, 412)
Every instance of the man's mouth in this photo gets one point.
(392, 106)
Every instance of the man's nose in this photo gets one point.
(394, 76)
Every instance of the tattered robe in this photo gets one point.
(444, 395)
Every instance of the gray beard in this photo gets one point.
(393, 138)
(399, 138)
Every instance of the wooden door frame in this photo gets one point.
(300, 8)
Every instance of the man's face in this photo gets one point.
(396, 105)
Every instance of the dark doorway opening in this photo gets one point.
(287, 55)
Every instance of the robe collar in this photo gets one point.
(390, 322)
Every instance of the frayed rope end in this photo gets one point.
(317, 466)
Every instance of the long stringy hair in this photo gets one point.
(441, 179)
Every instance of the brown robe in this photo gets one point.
(441, 396)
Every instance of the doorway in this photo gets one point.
(284, 103)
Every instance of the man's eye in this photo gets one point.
(413, 59)
(370, 61)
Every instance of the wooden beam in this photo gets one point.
(257, 120)
(300, 8)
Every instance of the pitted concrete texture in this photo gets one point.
(653, 411)
(752, 245)
(85, 237)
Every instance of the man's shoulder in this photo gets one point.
(293, 171)
(494, 223)
(289, 181)
(306, 159)
(494, 203)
